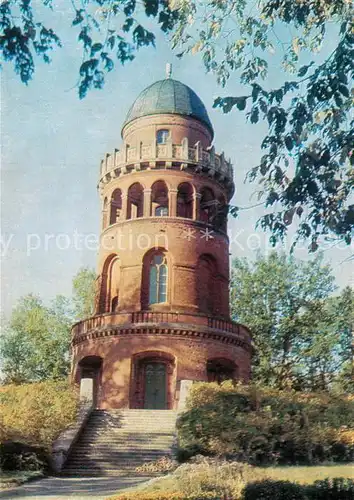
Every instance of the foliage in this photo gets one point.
(211, 478)
(331, 489)
(306, 173)
(35, 345)
(36, 413)
(84, 293)
(22, 457)
(162, 465)
(164, 496)
(327, 489)
(302, 336)
(106, 29)
(202, 475)
(9, 479)
(273, 490)
(267, 426)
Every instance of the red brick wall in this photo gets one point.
(190, 355)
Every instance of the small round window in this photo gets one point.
(162, 136)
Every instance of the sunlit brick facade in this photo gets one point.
(162, 309)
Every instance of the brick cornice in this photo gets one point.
(186, 331)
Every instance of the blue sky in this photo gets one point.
(52, 144)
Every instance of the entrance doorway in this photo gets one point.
(89, 374)
(152, 384)
(155, 390)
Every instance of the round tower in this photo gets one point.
(162, 308)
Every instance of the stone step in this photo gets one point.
(115, 442)
(106, 473)
(105, 461)
(120, 458)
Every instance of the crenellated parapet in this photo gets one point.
(149, 155)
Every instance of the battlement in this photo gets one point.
(148, 155)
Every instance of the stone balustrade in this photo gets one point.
(133, 157)
(125, 320)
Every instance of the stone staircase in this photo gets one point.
(115, 442)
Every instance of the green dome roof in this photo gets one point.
(169, 96)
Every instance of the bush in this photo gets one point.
(35, 414)
(331, 489)
(202, 474)
(20, 457)
(263, 426)
(162, 465)
(273, 490)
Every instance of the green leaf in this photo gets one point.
(96, 47)
(241, 103)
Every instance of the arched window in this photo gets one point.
(162, 136)
(105, 213)
(221, 215)
(158, 279)
(185, 200)
(116, 206)
(159, 199)
(114, 303)
(135, 206)
(219, 370)
(208, 205)
(109, 289)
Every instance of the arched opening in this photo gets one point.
(219, 370)
(221, 214)
(154, 288)
(114, 304)
(135, 207)
(116, 206)
(152, 381)
(159, 199)
(208, 205)
(185, 200)
(90, 371)
(109, 290)
(162, 136)
(206, 284)
(105, 213)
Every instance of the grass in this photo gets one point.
(11, 479)
(195, 475)
(308, 475)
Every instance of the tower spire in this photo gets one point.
(168, 70)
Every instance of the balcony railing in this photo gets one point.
(113, 320)
(118, 161)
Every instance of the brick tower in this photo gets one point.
(162, 311)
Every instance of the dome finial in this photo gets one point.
(168, 70)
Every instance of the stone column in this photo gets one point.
(147, 202)
(124, 206)
(196, 206)
(185, 387)
(172, 202)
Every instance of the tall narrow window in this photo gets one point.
(159, 199)
(135, 207)
(116, 206)
(158, 279)
(162, 136)
(185, 200)
(207, 206)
